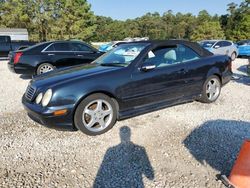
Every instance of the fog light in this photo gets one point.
(60, 112)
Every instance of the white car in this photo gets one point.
(223, 47)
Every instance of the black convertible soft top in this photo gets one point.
(193, 45)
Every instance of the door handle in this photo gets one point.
(182, 71)
(79, 55)
(51, 54)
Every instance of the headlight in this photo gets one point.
(39, 98)
(47, 97)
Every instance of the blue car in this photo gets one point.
(109, 46)
(244, 48)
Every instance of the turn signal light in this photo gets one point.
(60, 112)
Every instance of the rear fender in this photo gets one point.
(214, 71)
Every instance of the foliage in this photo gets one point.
(67, 19)
(49, 19)
(237, 22)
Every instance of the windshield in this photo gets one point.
(207, 44)
(123, 55)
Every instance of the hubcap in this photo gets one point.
(45, 68)
(233, 56)
(213, 89)
(97, 115)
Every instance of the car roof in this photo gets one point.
(210, 40)
(215, 40)
(193, 45)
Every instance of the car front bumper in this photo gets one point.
(45, 116)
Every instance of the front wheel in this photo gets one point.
(96, 114)
(211, 89)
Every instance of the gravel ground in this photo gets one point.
(181, 146)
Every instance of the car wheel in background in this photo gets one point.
(233, 56)
(211, 89)
(96, 114)
(44, 67)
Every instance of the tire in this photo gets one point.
(96, 114)
(44, 67)
(233, 56)
(212, 94)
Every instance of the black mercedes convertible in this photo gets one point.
(130, 80)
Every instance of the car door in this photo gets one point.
(84, 53)
(162, 82)
(60, 54)
(220, 48)
(229, 48)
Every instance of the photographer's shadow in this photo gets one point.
(124, 165)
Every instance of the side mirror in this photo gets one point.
(217, 46)
(148, 67)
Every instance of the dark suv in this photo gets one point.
(47, 56)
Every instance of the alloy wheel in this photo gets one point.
(97, 115)
(213, 89)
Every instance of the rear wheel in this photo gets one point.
(96, 114)
(211, 89)
(233, 56)
(44, 67)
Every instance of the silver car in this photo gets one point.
(223, 47)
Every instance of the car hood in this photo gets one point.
(66, 74)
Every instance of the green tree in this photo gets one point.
(207, 27)
(237, 21)
(74, 20)
(49, 19)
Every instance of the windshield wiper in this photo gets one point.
(114, 64)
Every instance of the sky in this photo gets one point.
(129, 9)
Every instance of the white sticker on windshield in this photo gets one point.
(131, 53)
(151, 54)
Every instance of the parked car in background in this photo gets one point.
(132, 79)
(47, 56)
(109, 46)
(6, 45)
(244, 48)
(222, 47)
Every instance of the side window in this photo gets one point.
(50, 48)
(219, 44)
(162, 57)
(80, 47)
(166, 56)
(3, 39)
(226, 43)
(186, 54)
(64, 47)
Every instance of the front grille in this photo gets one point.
(30, 92)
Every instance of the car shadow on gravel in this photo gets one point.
(25, 77)
(124, 165)
(242, 77)
(217, 143)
